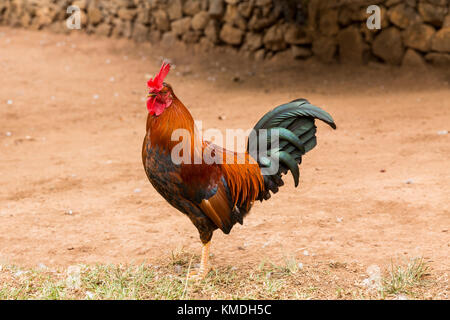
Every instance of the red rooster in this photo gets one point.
(219, 195)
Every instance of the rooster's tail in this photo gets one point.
(294, 123)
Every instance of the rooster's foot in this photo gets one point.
(204, 269)
(199, 274)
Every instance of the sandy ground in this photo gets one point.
(374, 191)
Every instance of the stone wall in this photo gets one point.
(412, 31)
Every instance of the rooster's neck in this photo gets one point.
(176, 117)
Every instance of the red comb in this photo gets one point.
(156, 83)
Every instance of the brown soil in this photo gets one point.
(75, 141)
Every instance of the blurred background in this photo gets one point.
(350, 31)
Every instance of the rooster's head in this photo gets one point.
(160, 95)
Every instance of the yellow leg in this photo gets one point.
(204, 267)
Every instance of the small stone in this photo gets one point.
(413, 59)
(216, 8)
(178, 269)
(154, 36)
(438, 59)
(352, 48)
(441, 40)
(42, 266)
(339, 219)
(19, 273)
(305, 253)
(446, 23)
(222, 117)
(112, 79)
(95, 96)
(374, 279)
(432, 14)
(263, 3)
(168, 39)
(10, 102)
(175, 10)
(403, 16)
(192, 7)
(82, 4)
(418, 36)
(390, 3)
(73, 280)
(127, 14)
(233, 17)
(442, 132)
(180, 27)
(95, 15)
(103, 30)
(191, 36)
(388, 46)
(253, 41)
(260, 54)
(328, 24)
(137, 190)
(301, 52)
(8, 134)
(212, 32)
(200, 20)
(89, 295)
(144, 16)
(296, 35)
(325, 48)
(69, 212)
(274, 38)
(140, 32)
(246, 8)
(231, 35)
(300, 266)
(162, 20)
(236, 79)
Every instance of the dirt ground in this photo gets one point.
(73, 189)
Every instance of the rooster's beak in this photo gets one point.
(151, 95)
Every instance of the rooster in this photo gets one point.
(219, 195)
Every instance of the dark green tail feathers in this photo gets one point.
(294, 123)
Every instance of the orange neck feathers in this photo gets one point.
(161, 128)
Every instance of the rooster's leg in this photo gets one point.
(204, 267)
